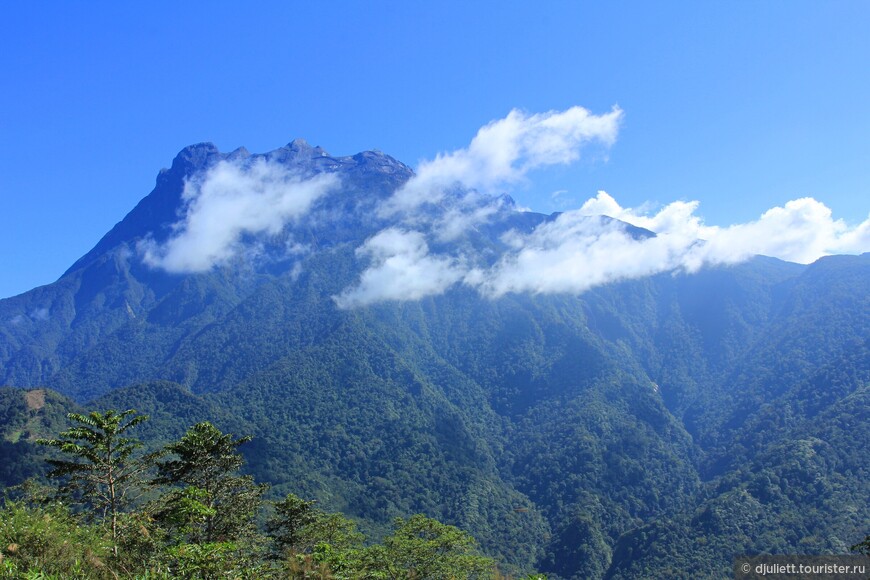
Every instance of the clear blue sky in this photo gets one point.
(741, 105)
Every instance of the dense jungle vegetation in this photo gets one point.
(646, 428)
(185, 511)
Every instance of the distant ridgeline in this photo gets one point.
(385, 366)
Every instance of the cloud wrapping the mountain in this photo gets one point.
(574, 253)
(579, 250)
(228, 208)
(576, 250)
(803, 230)
(401, 269)
(504, 151)
(229, 201)
(473, 209)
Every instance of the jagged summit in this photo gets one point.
(156, 215)
(199, 156)
(300, 145)
(194, 156)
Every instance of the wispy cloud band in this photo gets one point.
(504, 151)
(456, 192)
(228, 201)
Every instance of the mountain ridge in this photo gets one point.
(625, 421)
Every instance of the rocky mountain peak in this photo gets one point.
(194, 156)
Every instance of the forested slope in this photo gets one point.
(640, 428)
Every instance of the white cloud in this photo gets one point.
(231, 200)
(232, 203)
(803, 230)
(579, 250)
(465, 213)
(401, 269)
(504, 151)
(574, 253)
(676, 216)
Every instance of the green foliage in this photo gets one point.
(48, 540)
(25, 416)
(646, 428)
(287, 527)
(213, 504)
(141, 546)
(211, 560)
(104, 471)
(329, 529)
(205, 456)
(424, 548)
(204, 526)
(862, 547)
(327, 545)
(311, 541)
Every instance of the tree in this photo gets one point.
(308, 539)
(425, 548)
(103, 470)
(213, 504)
(286, 527)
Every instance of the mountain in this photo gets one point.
(390, 358)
